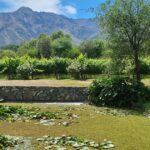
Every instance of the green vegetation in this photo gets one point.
(79, 68)
(118, 92)
(127, 25)
(92, 49)
(13, 113)
(6, 142)
(26, 67)
(121, 57)
(74, 143)
(58, 44)
(126, 126)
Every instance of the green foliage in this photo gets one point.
(92, 48)
(62, 46)
(73, 53)
(7, 112)
(127, 26)
(28, 48)
(47, 65)
(60, 66)
(96, 66)
(57, 35)
(78, 67)
(6, 142)
(120, 66)
(43, 46)
(10, 67)
(118, 92)
(72, 142)
(27, 68)
(10, 47)
(145, 65)
(7, 53)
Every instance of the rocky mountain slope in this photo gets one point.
(25, 24)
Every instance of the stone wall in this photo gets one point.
(43, 94)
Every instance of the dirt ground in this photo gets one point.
(54, 83)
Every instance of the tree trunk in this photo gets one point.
(137, 65)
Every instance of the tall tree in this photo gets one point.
(61, 44)
(126, 22)
(91, 48)
(44, 46)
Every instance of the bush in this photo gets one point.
(96, 66)
(24, 70)
(60, 66)
(145, 66)
(9, 67)
(78, 68)
(28, 68)
(117, 92)
(46, 65)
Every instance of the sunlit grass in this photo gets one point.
(131, 132)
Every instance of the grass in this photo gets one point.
(52, 82)
(127, 132)
(131, 132)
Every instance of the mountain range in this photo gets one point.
(25, 24)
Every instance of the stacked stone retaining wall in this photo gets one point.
(43, 94)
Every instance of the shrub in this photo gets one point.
(78, 68)
(46, 65)
(28, 68)
(60, 66)
(24, 70)
(117, 92)
(10, 67)
(120, 66)
(145, 66)
(96, 66)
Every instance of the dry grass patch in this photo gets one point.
(51, 82)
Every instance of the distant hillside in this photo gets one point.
(25, 24)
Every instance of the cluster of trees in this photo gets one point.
(58, 44)
(126, 24)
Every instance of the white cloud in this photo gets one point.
(54, 6)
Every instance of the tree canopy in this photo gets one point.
(91, 48)
(127, 24)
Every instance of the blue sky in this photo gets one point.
(70, 8)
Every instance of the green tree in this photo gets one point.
(44, 46)
(7, 53)
(28, 48)
(78, 67)
(126, 23)
(62, 46)
(28, 68)
(91, 48)
(10, 67)
(73, 53)
(57, 35)
(10, 47)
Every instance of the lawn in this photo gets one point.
(55, 83)
(128, 130)
(46, 82)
